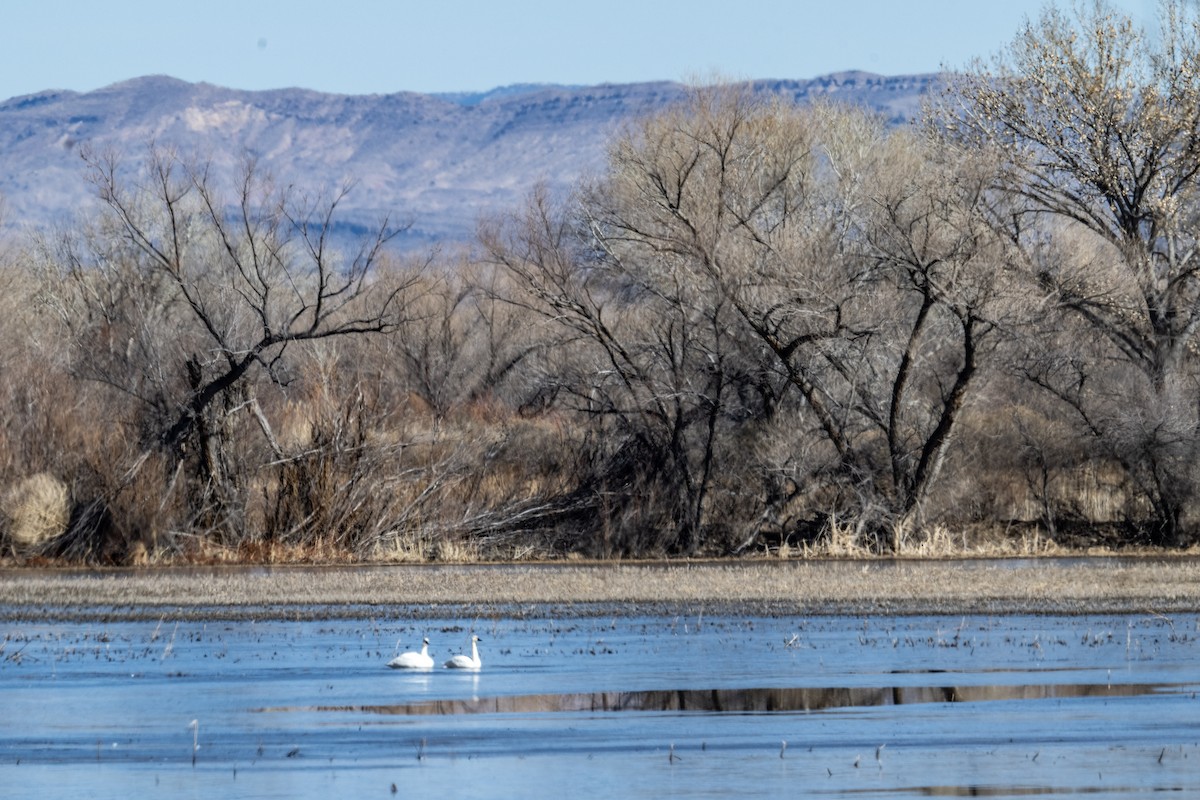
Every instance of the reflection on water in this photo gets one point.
(749, 701)
(1003, 791)
(881, 708)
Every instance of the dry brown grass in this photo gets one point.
(35, 511)
(935, 541)
(749, 586)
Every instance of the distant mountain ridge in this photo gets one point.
(438, 160)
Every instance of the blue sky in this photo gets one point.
(377, 46)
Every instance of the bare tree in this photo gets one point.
(1101, 125)
(922, 224)
(462, 344)
(647, 368)
(741, 257)
(854, 262)
(185, 293)
(697, 207)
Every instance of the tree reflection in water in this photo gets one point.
(750, 701)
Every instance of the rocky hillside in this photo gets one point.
(438, 161)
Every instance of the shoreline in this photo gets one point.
(555, 589)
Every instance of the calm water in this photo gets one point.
(645, 707)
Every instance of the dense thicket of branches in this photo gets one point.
(763, 323)
(1099, 129)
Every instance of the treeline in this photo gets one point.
(764, 326)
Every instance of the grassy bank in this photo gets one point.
(1076, 586)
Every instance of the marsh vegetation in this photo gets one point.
(764, 328)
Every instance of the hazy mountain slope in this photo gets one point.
(437, 160)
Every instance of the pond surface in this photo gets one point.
(880, 707)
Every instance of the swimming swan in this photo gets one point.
(412, 660)
(467, 662)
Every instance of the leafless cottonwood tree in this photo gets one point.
(1100, 122)
(853, 262)
(644, 361)
(743, 256)
(694, 200)
(920, 215)
(190, 288)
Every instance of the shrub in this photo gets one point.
(35, 511)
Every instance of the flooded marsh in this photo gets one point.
(680, 706)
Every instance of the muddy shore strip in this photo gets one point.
(1058, 586)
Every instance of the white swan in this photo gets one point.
(467, 662)
(412, 660)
